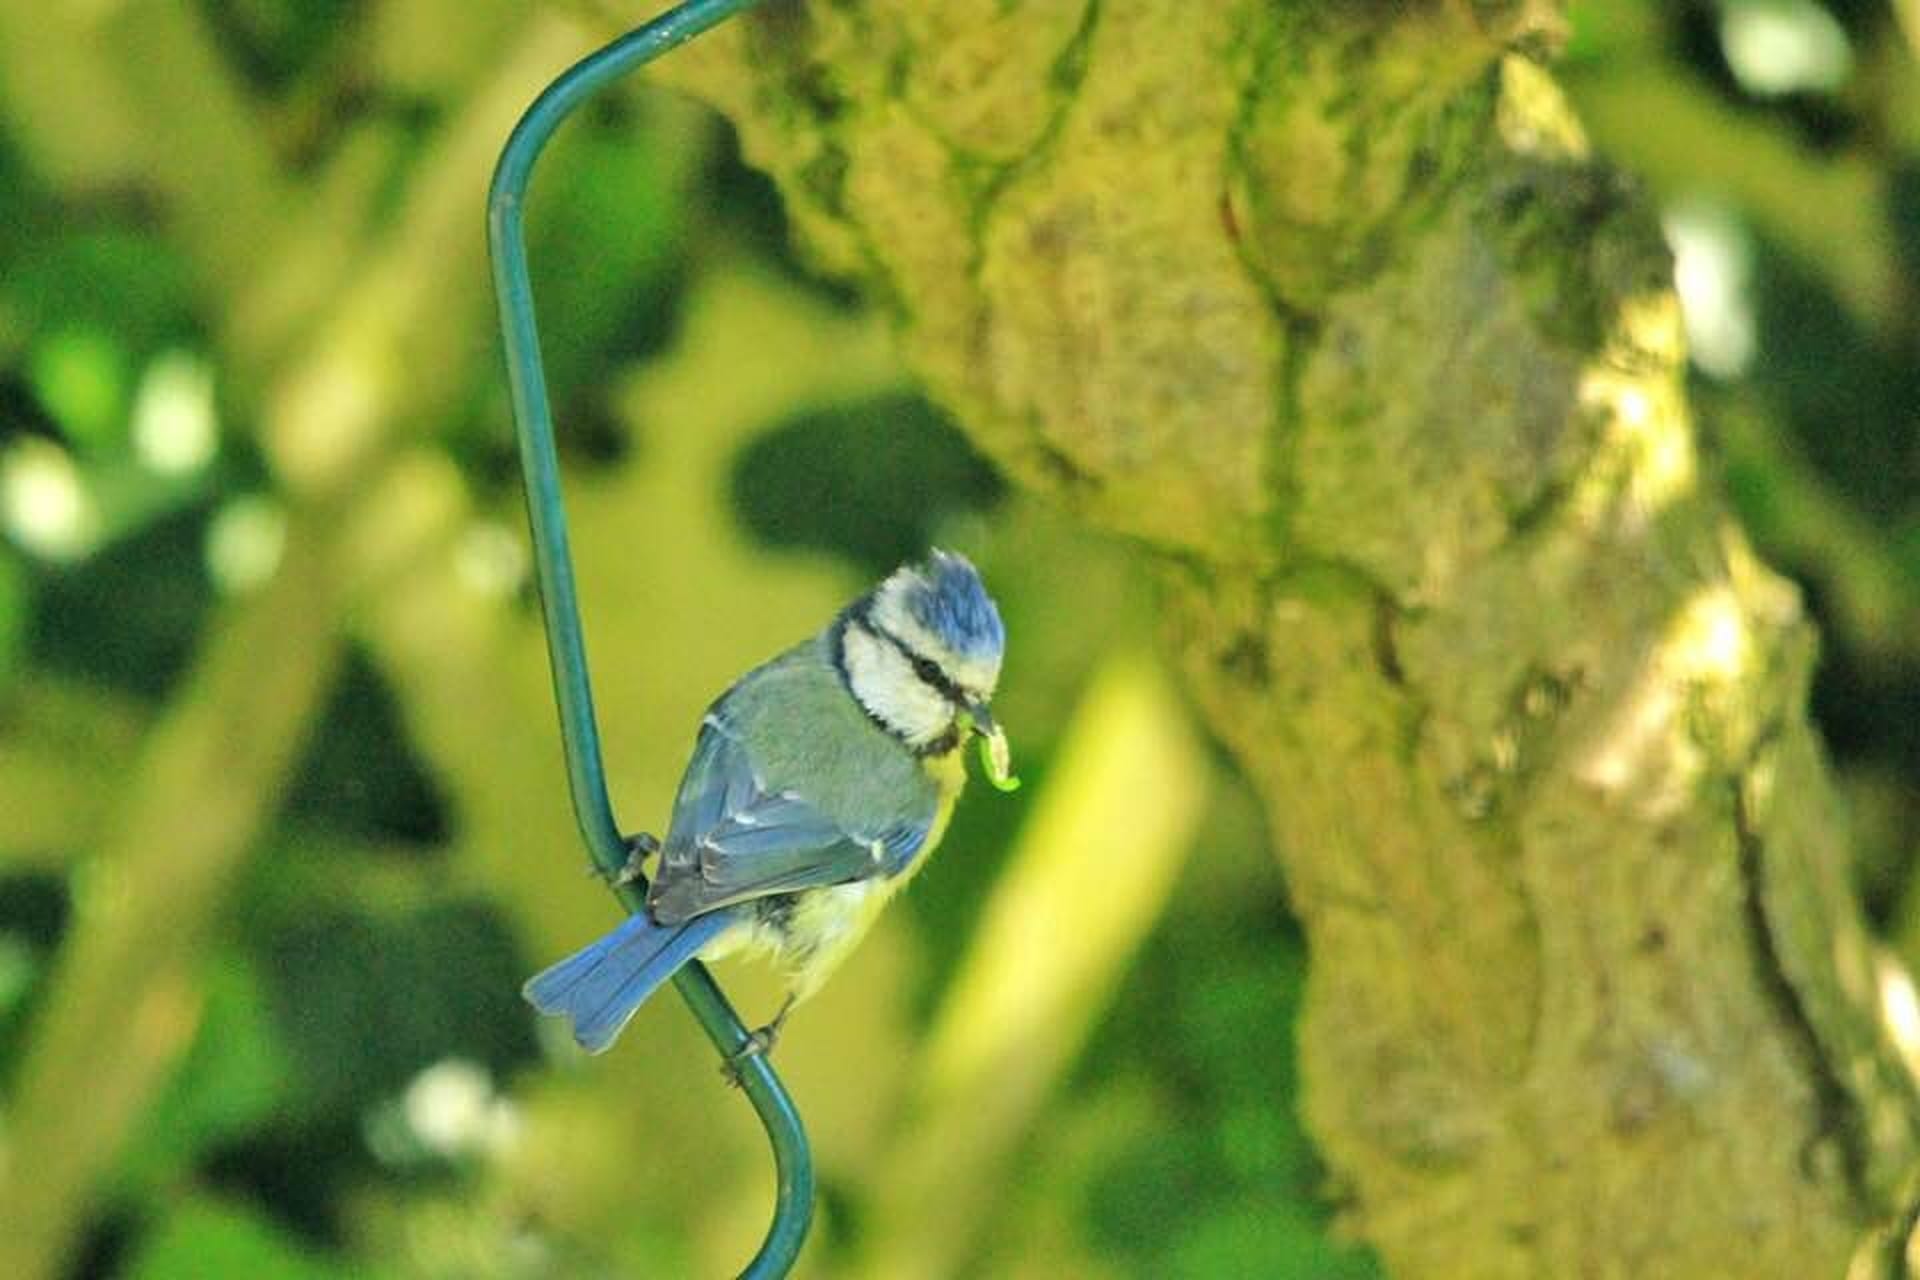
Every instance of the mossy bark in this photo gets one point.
(1329, 306)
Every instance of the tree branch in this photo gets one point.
(1330, 306)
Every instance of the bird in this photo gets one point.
(819, 783)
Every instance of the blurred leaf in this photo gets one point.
(1903, 212)
(360, 776)
(230, 1080)
(607, 238)
(128, 616)
(1866, 597)
(34, 907)
(80, 375)
(1835, 386)
(19, 964)
(274, 40)
(1277, 1240)
(15, 605)
(126, 282)
(1601, 29)
(129, 496)
(1262, 1142)
(1244, 979)
(20, 196)
(613, 210)
(1209, 1014)
(870, 481)
(364, 1004)
(207, 1238)
(1159, 1182)
(33, 914)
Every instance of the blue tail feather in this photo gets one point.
(600, 985)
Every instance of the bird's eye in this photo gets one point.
(926, 670)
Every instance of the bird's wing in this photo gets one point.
(734, 838)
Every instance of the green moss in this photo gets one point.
(1326, 305)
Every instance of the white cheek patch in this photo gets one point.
(883, 681)
(891, 615)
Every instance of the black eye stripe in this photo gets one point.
(924, 667)
(936, 747)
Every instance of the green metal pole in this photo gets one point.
(553, 563)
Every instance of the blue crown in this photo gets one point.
(949, 600)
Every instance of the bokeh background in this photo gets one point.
(282, 819)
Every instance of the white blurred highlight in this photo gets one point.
(1775, 47)
(453, 1110)
(1900, 1009)
(1713, 272)
(491, 560)
(245, 542)
(44, 501)
(175, 431)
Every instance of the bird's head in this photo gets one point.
(922, 653)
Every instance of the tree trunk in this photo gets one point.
(1329, 306)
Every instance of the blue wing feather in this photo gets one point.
(734, 839)
(901, 843)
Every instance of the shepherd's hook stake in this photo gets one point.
(553, 565)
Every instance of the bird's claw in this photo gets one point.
(758, 1044)
(640, 847)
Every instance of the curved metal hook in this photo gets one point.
(533, 420)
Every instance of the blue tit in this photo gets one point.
(819, 784)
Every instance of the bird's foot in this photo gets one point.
(758, 1044)
(640, 847)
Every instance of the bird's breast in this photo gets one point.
(808, 933)
(812, 931)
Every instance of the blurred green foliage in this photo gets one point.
(362, 1092)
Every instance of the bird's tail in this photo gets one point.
(600, 985)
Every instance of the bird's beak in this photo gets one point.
(994, 753)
